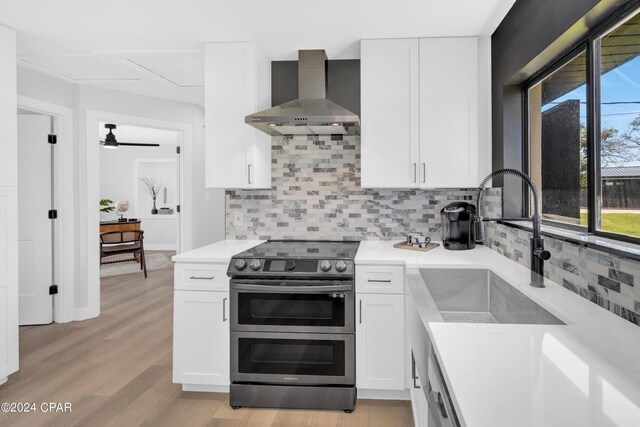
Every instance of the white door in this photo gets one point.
(389, 111)
(380, 342)
(34, 226)
(449, 112)
(201, 338)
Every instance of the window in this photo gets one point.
(557, 141)
(619, 145)
(584, 134)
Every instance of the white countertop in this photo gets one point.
(585, 373)
(218, 252)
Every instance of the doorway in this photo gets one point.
(36, 234)
(140, 190)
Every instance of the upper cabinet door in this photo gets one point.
(237, 83)
(389, 113)
(449, 130)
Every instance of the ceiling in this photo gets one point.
(154, 47)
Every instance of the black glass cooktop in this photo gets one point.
(302, 249)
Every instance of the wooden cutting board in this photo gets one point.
(410, 247)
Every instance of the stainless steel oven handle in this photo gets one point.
(291, 289)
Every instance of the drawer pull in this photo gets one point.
(379, 280)
(201, 278)
(224, 309)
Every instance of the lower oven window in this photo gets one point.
(291, 309)
(291, 356)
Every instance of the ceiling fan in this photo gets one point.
(111, 142)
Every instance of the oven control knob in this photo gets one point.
(290, 264)
(240, 264)
(325, 266)
(341, 266)
(255, 264)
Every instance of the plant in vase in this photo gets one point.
(106, 205)
(153, 188)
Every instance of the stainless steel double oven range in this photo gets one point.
(293, 325)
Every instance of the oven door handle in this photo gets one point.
(292, 289)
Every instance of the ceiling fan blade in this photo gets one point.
(138, 144)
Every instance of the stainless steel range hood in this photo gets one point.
(312, 113)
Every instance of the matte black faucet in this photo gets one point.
(538, 254)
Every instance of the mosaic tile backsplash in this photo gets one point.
(610, 281)
(316, 194)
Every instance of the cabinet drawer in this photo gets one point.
(200, 277)
(380, 279)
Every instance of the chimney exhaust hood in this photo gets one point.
(312, 113)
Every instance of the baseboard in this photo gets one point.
(206, 388)
(3, 380)
(160, 247)
(84, 313)
(384, 394)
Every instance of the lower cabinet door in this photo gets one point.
(201, 338)
(380, 341)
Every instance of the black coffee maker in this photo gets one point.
(458, 226)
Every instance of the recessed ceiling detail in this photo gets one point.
(176, 75)
(79, 68)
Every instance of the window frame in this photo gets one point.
(590, 45)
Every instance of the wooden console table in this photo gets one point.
(106, 226)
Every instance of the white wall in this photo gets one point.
(8, 206)
(44, 87)
(121, 169)
(207, 218)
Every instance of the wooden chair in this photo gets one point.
(123, 242)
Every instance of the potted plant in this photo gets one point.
(106, 205)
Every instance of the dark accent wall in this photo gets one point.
(343, 82)
(533, 35)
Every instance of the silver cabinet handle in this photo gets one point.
(415, 177)
(440, 402)
(249, 172)
(424, 173)
(202, 278)
(379, 280)
(360, 321)
(224, 309)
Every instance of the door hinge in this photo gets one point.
(178, 208)
(178, 149)
(53, 290)
(52, 139)
(53, 214)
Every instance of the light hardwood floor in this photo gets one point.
(115, 370)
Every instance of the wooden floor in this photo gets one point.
(115, 370)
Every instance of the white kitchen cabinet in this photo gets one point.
(380, 279)
(380, 342)
(419, 407)
(201, 338)
(237, 83)
(429, 133)
(389, 113)
(449, 112)
(201, 277)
